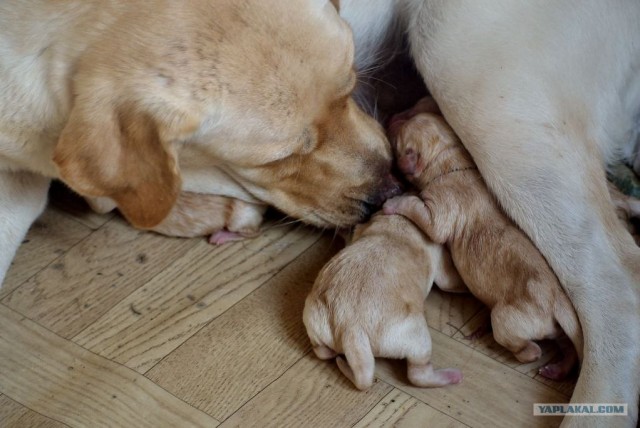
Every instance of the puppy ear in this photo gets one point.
(117, 152)
(336, 3)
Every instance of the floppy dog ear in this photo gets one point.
(117, 152)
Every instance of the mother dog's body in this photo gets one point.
(543, 95)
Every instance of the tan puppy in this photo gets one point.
(495, 258)
(200, 214)
(369, 301)
(140, 101)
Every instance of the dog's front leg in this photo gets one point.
(23, 197)
(564, 207)
(537, 138)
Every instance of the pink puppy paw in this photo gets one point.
(452, 376)
(224, 236)
(391, 206)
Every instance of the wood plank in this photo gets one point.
(49, 237)
(400, 410)
(74, 206)
(90, 278)
(249, 346)
(312, 393)
(491, 394)
(565, 386)
(448, 312)
(61, 380)
(15, 415)
(201, 285)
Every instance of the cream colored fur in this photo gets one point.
(544, 95)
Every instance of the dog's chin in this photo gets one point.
(326, 220)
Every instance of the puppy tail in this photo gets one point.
(566, 316)
(360, 362)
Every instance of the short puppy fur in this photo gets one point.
(368, 301)
(497, 261)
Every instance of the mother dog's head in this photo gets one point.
(258, 88)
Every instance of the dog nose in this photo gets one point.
(390, 187)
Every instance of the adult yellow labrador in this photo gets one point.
(136, 101)
(544, 94)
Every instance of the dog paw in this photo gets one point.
(530, 353)
(324, 352)
(425, 376)
(553, 372)
(479, 332)
(453, 376)
(390, 207)
(224, 236)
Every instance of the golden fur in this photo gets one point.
(498, 262)
(369, 301)
(136, 102)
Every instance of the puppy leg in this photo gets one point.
(512, 330)
(447, 278)
(435, 226)
(420, 370)
(324, 352)
(101, 205)
(243, 221)
(23, 197)
(198, 214)
(360, 362)
(560, 369)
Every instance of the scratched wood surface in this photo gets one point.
(103, 325)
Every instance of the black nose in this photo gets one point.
(368, 209)
(390, 187)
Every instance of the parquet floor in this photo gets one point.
(103, 325)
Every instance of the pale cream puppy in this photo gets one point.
(368, 301)
(495, 258)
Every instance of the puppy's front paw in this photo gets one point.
(400, 204)
(391, 206)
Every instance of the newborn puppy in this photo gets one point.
(496, 260)
(226, 219)
(369, 301)
(199, 214)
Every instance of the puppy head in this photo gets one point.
(260, 89)
(417, 141)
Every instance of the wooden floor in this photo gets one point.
(103, 325)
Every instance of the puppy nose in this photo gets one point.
(390, 187)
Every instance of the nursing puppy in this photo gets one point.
(497, 261)
(368, 301)
(198, 214)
